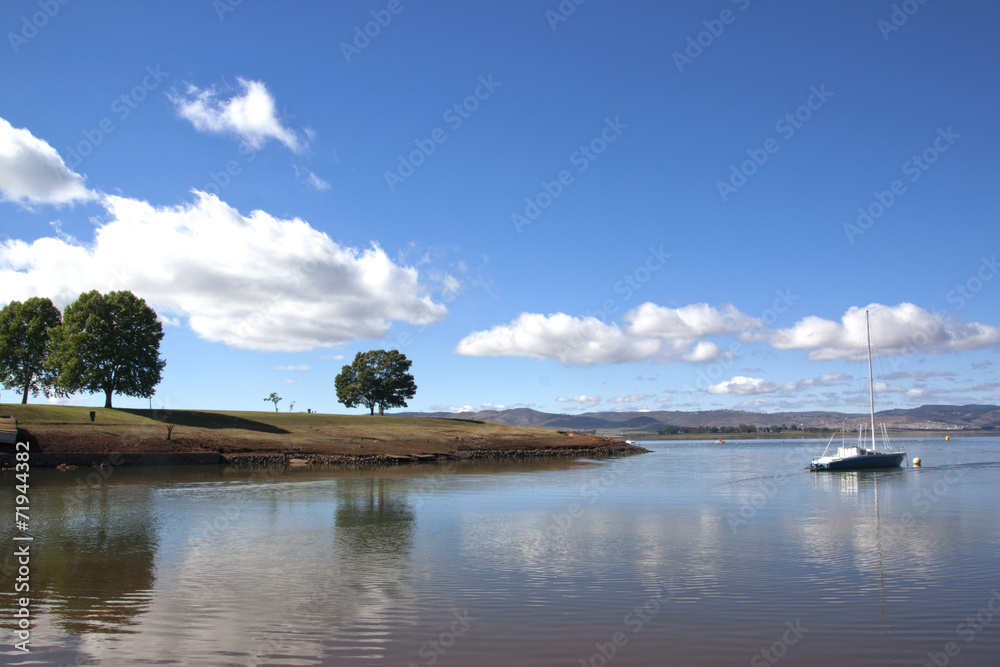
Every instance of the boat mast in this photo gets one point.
(871, 376)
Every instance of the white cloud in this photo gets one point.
(744, 386)
(824, 380)
(918, 375)
(634, 398)
(895, 330)
(31, 171)
(252, 115)
(755, 404)
(485, 407)
(689, 323)
(316, 182)
(294, 368)
(251, 282)
(569, 340)
(583, 401)
(651, 331)
(706, 350)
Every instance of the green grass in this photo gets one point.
(263, 420)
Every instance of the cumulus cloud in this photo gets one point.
(583, 401)
(651, 331)
(706, 350)
(31, 171)
(251, 115)
(252, 282)
(824, 380)
(744, 386)
(895, 330)
(570, 340)
(689, 323)
(634, 398)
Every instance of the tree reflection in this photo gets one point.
(96, 564)
(374, 534)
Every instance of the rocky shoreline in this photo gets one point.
(614, 448)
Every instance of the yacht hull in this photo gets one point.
(870, 461)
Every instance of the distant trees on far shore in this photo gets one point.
(106, 343)
(743, 428)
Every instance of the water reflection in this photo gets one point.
(323, 566)
(93, 559)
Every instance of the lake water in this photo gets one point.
(695, 554)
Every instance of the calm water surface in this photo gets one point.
(695, 554)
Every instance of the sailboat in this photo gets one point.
(860, 457)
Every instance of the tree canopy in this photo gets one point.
(24, 337)
(107, 343)
(376, 378)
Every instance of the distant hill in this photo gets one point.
(926, 417)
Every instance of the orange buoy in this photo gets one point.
(916, 462)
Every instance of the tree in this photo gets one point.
(274, 398)
(24, 338)
(376, 378)
(108, 343)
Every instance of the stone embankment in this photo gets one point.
(611, 448)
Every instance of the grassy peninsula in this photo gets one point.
(310, 437)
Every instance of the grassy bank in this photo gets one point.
(68, 429)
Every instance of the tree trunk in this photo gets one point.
(372, 408)
(24, 397)
(107, 398)
(380, 409)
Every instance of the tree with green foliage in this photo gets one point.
(376, 378)
(108, 343)
(24, 339)
(274, 398)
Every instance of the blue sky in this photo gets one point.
(624, 206)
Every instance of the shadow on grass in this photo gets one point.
(198, 419)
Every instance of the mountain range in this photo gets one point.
(926, 417)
